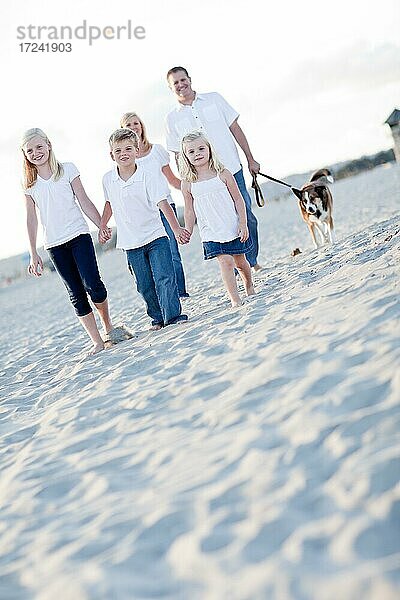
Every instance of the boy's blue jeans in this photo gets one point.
(252, 224)
(176, 256)
(152, 267)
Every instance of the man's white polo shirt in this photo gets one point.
(211, 114)
(135, 207)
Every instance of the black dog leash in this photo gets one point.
(257, 189)
(257, 192)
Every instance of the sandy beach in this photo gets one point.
(250, 454)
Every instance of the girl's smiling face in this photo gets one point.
(37, 151)
(197, 152)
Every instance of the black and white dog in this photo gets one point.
(316, 207)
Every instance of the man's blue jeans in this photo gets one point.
(152, 267)
(252, 224)
(176, 257)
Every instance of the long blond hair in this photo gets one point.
(30, 170)
(132, 115)
(186, 169)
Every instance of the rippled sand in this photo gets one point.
(249, 454)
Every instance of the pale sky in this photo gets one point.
(313, 82)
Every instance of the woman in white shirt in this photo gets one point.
(56, 191)
(155, 159)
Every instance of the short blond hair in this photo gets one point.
(123, 134)
(186, 170)
(30, 173)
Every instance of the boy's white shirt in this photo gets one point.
(135, 207)
(59, 211)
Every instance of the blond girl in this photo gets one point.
(55, 190)
(211, 195)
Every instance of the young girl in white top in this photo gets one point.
(53, 188)
(211, 194)
(154, 158)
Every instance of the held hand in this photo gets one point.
(35, 265)
(243, 232)
(254, 166)
(183, 235)
(104, 235)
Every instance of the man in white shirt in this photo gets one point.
(212, 114)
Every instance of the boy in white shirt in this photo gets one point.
(135, 197)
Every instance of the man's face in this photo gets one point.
(180, 84)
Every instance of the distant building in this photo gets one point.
(394, 123)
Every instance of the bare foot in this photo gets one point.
(96, 349)
(236, 304)
(250, 291)
(257, 267)
(156, 327)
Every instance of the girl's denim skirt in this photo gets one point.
(213, 249)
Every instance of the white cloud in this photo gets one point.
(358, 67)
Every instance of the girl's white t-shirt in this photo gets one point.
(59, 211)
(153, 162)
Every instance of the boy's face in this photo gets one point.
(124, 153)
(197, 152)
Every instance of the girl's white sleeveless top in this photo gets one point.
(217, 218)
